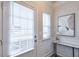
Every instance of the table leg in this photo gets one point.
(73, 51)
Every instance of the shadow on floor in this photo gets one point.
(55, 55)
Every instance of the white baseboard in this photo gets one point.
(49, 54)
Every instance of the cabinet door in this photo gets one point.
(64, 51)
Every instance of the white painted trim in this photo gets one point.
(22, 52)
(49, 54)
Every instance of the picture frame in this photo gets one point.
(66, 25)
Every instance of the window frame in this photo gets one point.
(5, 25)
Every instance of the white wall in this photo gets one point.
(64, 8)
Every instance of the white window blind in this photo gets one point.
(46, 26)
(21, 29)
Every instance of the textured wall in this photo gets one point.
(69, 8)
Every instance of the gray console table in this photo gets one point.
(66, 44)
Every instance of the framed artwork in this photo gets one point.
(66, 25)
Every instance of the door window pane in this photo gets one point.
(46, 26)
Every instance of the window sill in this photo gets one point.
(22, 52)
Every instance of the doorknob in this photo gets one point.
(57, 38)
(35, 36)
(1, 42)
(35, 40)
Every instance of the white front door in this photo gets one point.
(19, 29)
(45, 47)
